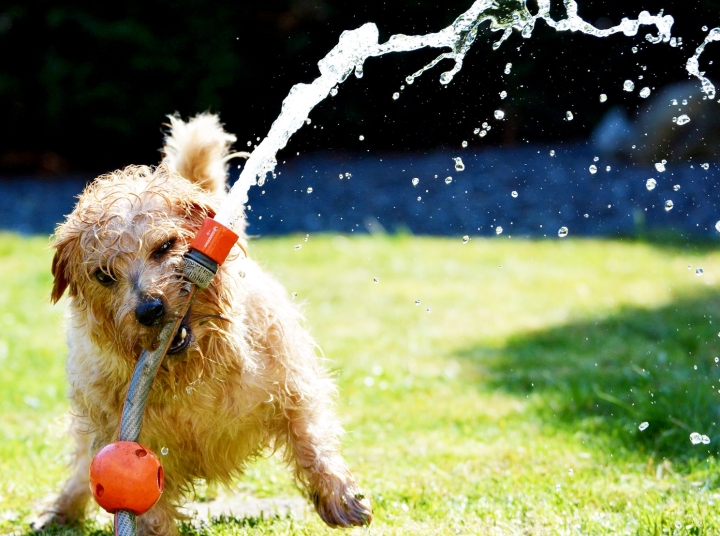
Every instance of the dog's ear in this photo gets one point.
(197, 212)
(60, 268)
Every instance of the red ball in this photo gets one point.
(126, 476)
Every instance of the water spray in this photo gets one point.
(216, 238)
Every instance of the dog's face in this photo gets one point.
(119, 255)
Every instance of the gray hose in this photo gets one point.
(137, 395)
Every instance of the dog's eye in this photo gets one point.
(162, 250)
(105, 279)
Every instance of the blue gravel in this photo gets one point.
(378, 195)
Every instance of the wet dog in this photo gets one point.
(241, 377)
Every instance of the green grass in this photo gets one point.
(511, 407)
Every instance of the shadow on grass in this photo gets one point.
(232, 525)
(608, 376)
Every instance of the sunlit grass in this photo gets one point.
(506, 402)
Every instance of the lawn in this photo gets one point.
(507, 401)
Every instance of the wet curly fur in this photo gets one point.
(248, 382)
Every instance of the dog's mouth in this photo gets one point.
(182, 338)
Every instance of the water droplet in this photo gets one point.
(164, 451)
(361, 137)
(552, 152)
(396, 95)
(558, 488)
(508, 66)
(359, 71)
(333, 91)
(717, 226)
(503, 94)
(660, 166)
(499, 114)
(563, 232)
(514, 193)
(417, 302)
(596, 158)
(704, 28)
(189, 390)
(674, 102)
(607, 168)
(684, 102)
(717, 360)
(448, 180)
(298, 246)
(419, 198)
(429, 310)
(705, 440)
(705, 166)
(410, 79)
(634, 50)
(668, 205)
(593, 169)
(695, 438)
(603, 97)
(464, 144)
(699, 271)
(645, 92)
(459, 166)
(586, 215)
(498, 230)
(643, 426)
(309, 190)
(683, 120)
(569, 115)
(628, 85)
(376, 279)
(570, 471)
(650, 184)
(415, 181)
(476, 131)
(466, 239)
(676, 187)
(483, 133)
(293, 295)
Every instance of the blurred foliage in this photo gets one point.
(87, 84)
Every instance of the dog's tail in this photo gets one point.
(199, 150)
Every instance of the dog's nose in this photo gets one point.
(149, 312)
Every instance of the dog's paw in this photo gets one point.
(53, 521)
(345, 507)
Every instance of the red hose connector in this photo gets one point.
(214, 240)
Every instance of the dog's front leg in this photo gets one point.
(314, 442)
(69, 507)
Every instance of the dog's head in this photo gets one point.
(120, 255)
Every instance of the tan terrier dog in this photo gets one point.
(241, 377)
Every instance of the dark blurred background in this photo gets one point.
(85, 86)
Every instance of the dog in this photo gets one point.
(241, 378)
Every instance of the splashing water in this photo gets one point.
(693, 63)
(643, 426)
(650, 184)
(355, 46)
